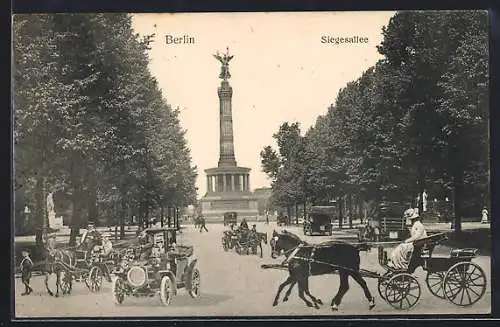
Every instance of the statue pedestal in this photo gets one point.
(55, 222)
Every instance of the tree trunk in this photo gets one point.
(350, 210)
(92, 199)
(123, 212)
(421, 188)
(146, 217)
(304, 207)
(162, 217)
(75, 216)
(169, 210)
(457, 199)
(39, 213)
(296, 213)
(341, 217)
(178, 225)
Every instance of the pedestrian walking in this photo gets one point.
(202, 224)
(267, 217)
(26, 269)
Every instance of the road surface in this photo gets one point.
(235, 285)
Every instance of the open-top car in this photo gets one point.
(157, 266)
(319, 220)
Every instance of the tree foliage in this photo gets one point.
(90, 120)
(417, 120)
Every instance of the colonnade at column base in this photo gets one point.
(214, 207)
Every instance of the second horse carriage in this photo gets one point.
(157, 267)
(244, 241)
(85, 263)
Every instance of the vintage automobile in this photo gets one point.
(157, 266)
(388, 224)
(319, 220)
(230, 218)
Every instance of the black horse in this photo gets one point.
(56, 261)
(306, 260)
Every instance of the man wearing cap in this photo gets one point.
(400, 257)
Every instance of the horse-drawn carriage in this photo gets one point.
(165, 268)
(455, 277)
(84, 263)
(90, 267)
(244, 241)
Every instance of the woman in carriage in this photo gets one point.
(401, 255)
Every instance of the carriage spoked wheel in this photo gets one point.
(66, 282)
(434, 281)
(402, 291)
(166, 290)
(118, 290)
(382, 284)
(464, 283)
(194, 283)
(95, 278)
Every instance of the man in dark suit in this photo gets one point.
(202, 224)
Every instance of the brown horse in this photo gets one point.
(306, 260)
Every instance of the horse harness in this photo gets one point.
(310, 259)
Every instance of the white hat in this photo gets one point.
(414, 215)
(408, 213)
(106, 235)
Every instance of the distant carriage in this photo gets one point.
(244, 241)
(230, 218)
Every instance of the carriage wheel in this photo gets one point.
(96, 276)
(166, 290)
(382, 284)
(434, 281)
(464, 283)
(194, 287)
(66, 282)
(402, 291)
(118, 290)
